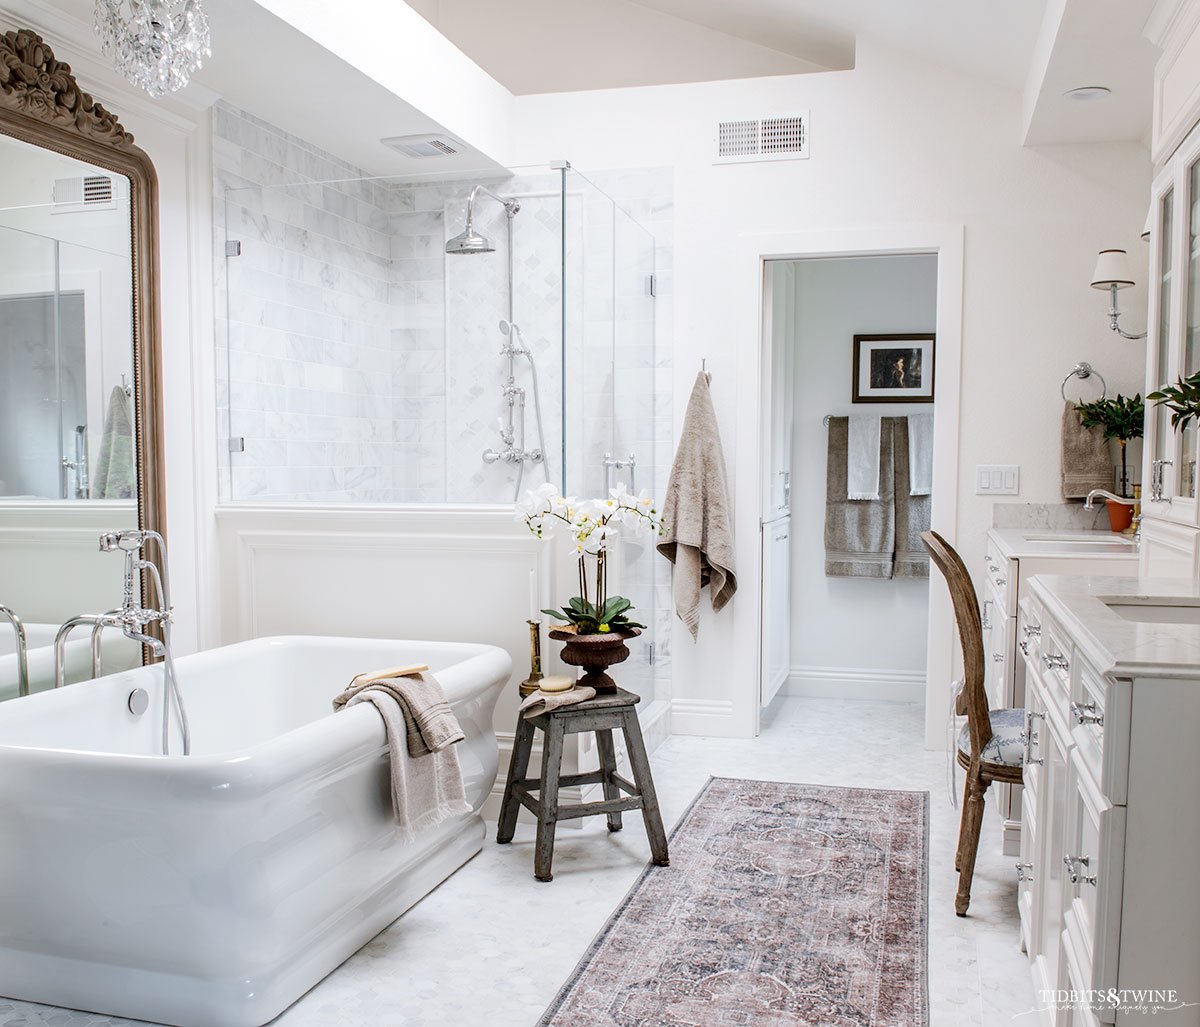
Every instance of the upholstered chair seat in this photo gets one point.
(1007, 744)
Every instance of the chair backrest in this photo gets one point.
(973, 697)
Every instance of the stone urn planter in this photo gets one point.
(595, 653)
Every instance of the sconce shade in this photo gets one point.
(1111, 269)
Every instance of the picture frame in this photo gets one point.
(894, 368)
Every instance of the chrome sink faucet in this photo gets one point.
(1090, 504)
(22, 649)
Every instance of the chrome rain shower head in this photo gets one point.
(470, 241)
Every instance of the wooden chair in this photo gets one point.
(991, 744)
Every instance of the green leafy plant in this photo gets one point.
(1182, 399)
(589, 620)
(1120, 418)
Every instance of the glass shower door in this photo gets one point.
(610, 309)
(42, 401)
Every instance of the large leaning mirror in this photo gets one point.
(80, 406)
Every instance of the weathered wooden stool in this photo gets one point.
(601, 715)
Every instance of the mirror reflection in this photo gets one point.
(67, 423)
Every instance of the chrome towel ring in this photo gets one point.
(1083, 370)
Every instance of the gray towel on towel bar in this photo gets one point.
(697, 516)
(427, 788)
(1086, 461)
(912, 511)
(875, 538)
(860, 534)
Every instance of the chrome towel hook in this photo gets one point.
(1083, 370)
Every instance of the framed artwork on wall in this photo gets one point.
(893, 368)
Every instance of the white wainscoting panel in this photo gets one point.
(444, 573)
(856, 683)
(51, 567)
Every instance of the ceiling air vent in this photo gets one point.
(782, 137)
(422, 145)
(88, 192)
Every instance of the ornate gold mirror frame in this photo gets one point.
(42, 104)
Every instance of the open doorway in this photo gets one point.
(849, 373)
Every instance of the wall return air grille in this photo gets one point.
(781, 137)
(88, 192)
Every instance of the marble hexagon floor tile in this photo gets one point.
(491, 946)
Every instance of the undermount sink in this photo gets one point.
(1142, 610)
(1120, 541)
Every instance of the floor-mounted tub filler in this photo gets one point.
(213, 890)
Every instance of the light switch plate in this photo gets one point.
(997, 480)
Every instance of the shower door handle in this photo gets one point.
(610, 463)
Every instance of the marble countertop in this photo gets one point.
(1111, 643)
(1060, 543)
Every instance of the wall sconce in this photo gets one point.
(1112, 273)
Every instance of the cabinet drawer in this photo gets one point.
(1099, 720)
(1035, 739)
(1029, 630)
(1094, 841)
(1028, 872)
(1001, 575)
(1054, 666)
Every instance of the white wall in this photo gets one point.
(894, 142)
(849, 625)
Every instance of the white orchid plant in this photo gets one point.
(594, 525)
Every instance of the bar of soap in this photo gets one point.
(557, 683)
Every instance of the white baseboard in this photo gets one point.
(856, 683)
(711, 717)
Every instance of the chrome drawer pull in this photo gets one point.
(1001, 582)
(1085, 713)
(997, 657)
(1032, 630)
(1030, 739)
(1055, 661)
(1024, 647)
(1073, 874)
(1025, 872)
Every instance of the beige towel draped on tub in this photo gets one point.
(697, 518)
(427, 781)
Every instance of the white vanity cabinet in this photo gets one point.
(1013, 556)
(1107, 891)
(1171, 523)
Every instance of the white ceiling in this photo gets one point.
(533, 46)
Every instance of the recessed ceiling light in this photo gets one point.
(1087, 92)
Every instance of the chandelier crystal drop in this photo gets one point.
(155, 44)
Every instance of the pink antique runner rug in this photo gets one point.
(785, 905)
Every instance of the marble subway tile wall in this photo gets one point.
(305, 356)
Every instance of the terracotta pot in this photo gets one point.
(595, 654)
(1120, 515)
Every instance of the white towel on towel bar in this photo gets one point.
(920, 454)
(862, 457)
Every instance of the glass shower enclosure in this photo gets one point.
(374, 347)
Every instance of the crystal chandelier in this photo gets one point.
(156, 44)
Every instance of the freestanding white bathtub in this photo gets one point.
(213, 890)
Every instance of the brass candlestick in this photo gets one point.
(530, 684)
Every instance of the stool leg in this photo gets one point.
(543, 855)
(640, 763)
(608, 764)
(518, 765)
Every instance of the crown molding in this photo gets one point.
(1166, 17)
(74, 40)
